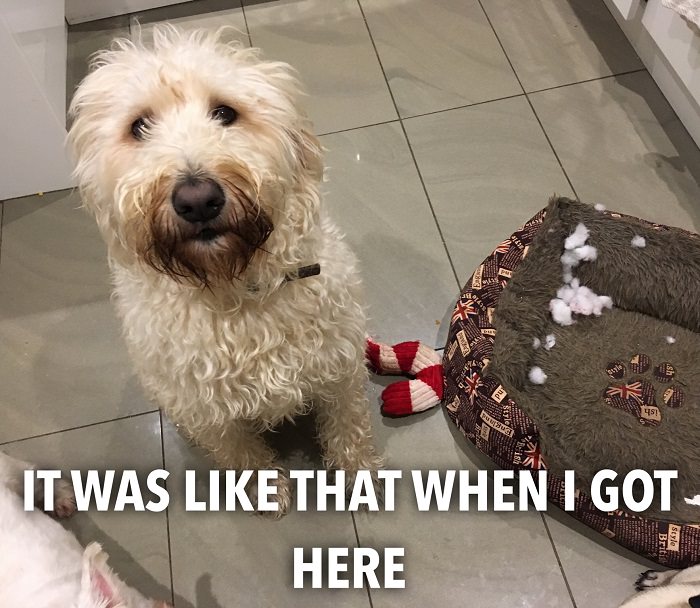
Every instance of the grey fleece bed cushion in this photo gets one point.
(622, 390)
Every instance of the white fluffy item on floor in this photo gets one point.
(670, 339)
(537, 376)
(561, 312)
(639, 241)
(574, 298)
(599, 207)
(577, 238)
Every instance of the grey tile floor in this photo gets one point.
(447, 123)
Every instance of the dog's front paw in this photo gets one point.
(653, 578)
(64, 499)
(282, 497)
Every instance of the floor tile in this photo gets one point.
(452, 558)
(328, 42)
(438, 55)
(204, 14)
(622, 145)
(375, 196)
(235, 558)
(137, 543)
(551, 42)
(62, 360)
(85, 39)
(587, 556)
(487, 169)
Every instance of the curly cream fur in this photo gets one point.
(242, 349)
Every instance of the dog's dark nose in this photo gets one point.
(198, 200)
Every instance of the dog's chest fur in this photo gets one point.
(264, 358)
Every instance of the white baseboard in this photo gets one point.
(79, 11)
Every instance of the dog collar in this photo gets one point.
(302, 273)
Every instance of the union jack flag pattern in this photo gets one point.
(478, 403)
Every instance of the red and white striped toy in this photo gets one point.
(413, 359)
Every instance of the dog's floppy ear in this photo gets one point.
(694, 602)
(102, 588)
(98, 585)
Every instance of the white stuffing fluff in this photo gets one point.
(600, 303)
(586, 253)
(670, 339)
(572, 297)
(599, 207)
(566, 293)
(537, 376)
(569, 259)
(561, 313)
(536, 343)
(549, 341)
(695, 500)
(577, 238)
(582, 302)
(639, 241)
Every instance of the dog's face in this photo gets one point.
(187, 151)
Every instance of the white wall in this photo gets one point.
(33, 41)
(670, 48)
(39, 29)
(78, 11)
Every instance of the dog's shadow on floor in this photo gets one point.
(296, 442)
(141, 578)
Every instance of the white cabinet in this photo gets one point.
(626, 7)
(32, 105)
(78, 11)
(669, 46)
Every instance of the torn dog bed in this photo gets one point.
(576, 346)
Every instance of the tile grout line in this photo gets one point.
(532, 107)
(349, 129)
(359, 544)
(387, 122)
(408, 143)
(556, 555)
(2, 221)
(587, 80)
(462, 107)
(245, 20)
(76, 428)
(481, 103)
(167, 510)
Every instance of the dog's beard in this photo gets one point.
(210, 254)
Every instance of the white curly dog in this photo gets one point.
(42, 564)
(203, 175)
(669, 589)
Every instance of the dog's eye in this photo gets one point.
(224, 114)
(138, 128)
